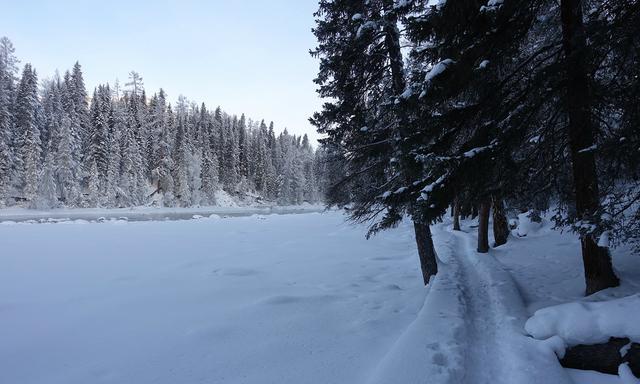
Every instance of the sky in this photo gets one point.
(247, 56)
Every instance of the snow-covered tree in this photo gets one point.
(60, 148)
(47, 193)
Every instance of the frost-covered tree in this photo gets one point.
(180, 174)
(118, 148)
(8, 71)
(28, 145)
(92, 197)
(47, 193)
(66, 165)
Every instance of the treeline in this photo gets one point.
(524, 105)
(120, 148)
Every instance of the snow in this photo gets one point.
(261, 299)
(297, 299)
(424, 192)
(603, 240)
(626, 376)
(491, 5)
(400, 190)
(592, 377)
(401, 4)
(365, 28)
(473, 152)
(526, 225)
(547, 268)
(437, 69)
(483, 64)
(407, 93)
(470, 329)
(588, 149)
(588, 322)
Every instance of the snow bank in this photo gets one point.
(588, 322)
(432, 347)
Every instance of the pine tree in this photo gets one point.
(165, 162)
(47, 189)
(59, 149)
(180, 175)
(93, 186)
(80, 105)
(231, 155)
(97, 150)
(66, 165)
(8, 70)
(361, 70)
(28, 145)
(209, 175)
(243, 148)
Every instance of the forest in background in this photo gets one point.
(121, 148)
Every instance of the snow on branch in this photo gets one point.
(424, 192)
(437, 69)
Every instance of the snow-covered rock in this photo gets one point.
(588, 322)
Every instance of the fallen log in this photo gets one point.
(605, 357)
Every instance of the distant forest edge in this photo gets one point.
(120, 148)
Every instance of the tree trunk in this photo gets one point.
(598, 270)
(456, 215)
(483, 226)
(500, 224)
(426, 251)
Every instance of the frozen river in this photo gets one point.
(262, 299)
(147, 213)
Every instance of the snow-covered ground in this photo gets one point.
(261, 299)
(282, 299)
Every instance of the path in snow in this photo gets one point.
(471, 327)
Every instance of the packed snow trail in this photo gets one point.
(471, 327)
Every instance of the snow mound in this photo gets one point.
(527, 226)
(588, 322)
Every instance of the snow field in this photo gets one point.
(262, 299)
(296, 299)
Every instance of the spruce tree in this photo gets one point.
(66, 165)
(28, 144)
(361, 71)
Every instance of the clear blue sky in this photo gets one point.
(246, 56)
